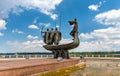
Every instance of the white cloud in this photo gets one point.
(14, 46)
(33, 44)
(106, 39)
(47, 24)
(66, 41)
(111, 17)
(101, 40)
(26, 46)
(94, 7)
(33, 27)
(57, 26)
(2, 24)
(44, 24)
(35, 20)
(13, 43)
(17, 31)
(85, 36)
(1, 34)
(102, 34)
(32, 37)
(16, 6)
(54, 16)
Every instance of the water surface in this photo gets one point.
(99, 68)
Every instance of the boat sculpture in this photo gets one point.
(61, 50)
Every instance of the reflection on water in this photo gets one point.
(99, 68)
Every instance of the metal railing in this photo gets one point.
(26, 56)
(51, 56)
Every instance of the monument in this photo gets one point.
(53, 37)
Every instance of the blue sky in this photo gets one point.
(21, 22)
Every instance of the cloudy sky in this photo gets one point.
(21, 22)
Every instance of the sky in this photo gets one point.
(21, 22)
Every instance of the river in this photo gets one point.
(99, 68)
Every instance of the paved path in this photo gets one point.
(10, 64)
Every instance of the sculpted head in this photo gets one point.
(56, 28)
(47, 29)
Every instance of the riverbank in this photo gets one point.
(24, 67)
(102, 59)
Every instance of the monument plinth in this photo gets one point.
(52, 38)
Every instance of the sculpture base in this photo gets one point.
(61, 53)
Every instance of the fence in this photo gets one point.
(26, 56)
(51, 56)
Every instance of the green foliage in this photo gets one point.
(109, 54)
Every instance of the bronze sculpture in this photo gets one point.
(57, 37)
(52, 37)
(46, 37)
(62, 49)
